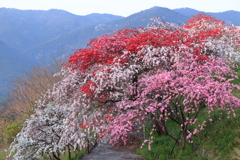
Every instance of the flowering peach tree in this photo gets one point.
(40, 135)
(116, 67)
(155, 74)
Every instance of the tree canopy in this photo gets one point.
(156, 74)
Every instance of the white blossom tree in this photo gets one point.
(159, 73)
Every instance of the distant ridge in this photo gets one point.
(187, 11)
(42, 33)
(33, 27)
(80, 37)
(231, 17)
(11, 64)
(36, 35)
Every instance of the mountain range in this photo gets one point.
(28, 37)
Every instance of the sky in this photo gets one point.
(120, 7)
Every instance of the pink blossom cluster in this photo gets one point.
(148, 76)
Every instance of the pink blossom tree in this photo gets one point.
(179, 96)
(155, 74)
(122, 61)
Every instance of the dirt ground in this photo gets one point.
(117, 152)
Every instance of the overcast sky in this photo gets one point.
(120, 7)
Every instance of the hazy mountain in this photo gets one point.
(29, 35)
(143, 18)
(11, 64)
(96, 18)
(228, 16)
(187, 11)
(80, 37)
(23, 29)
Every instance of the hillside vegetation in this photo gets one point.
(178, 85)
(171, 81)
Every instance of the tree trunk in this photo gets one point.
(183, 140)
(159, 128)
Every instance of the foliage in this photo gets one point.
(20, 103)
(27, 89)
(160, 74)
(121, 79)
(12, 130)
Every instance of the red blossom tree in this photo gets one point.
(159, 73)
(114, 66)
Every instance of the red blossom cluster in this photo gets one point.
(149, 75)
(121, 70)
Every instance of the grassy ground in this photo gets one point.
(2, 155)
(217, 141)
(73, 156)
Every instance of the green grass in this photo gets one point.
(2, 156)
(217, 141)
(74, 156)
